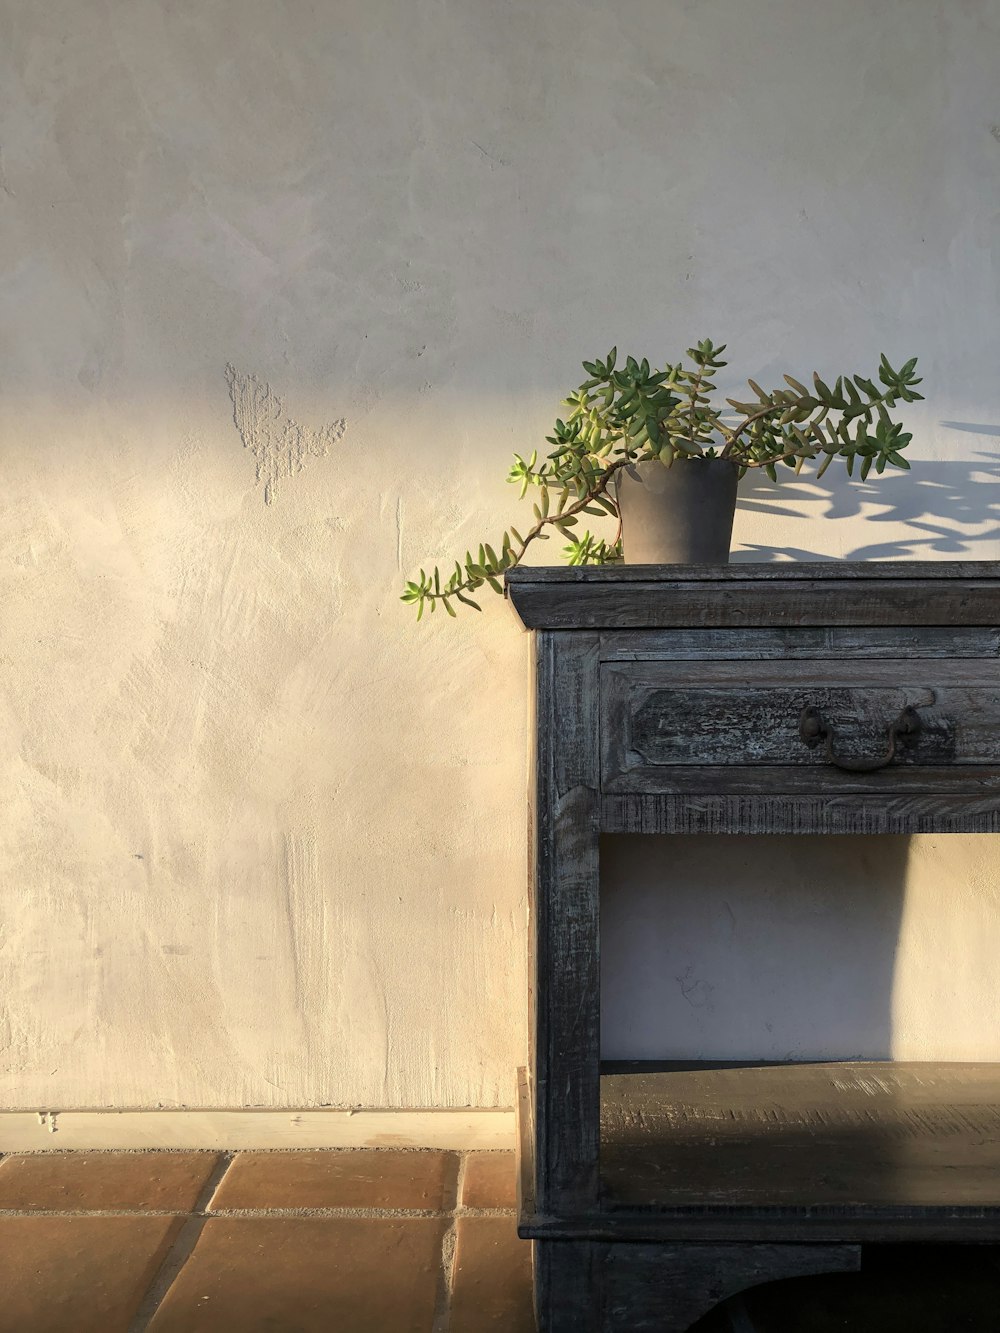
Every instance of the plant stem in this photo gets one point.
(601, 485)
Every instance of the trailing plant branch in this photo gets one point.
(489, 568)
(631, 414)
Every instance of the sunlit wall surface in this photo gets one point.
(282, 287)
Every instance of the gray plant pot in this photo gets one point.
(679, 515)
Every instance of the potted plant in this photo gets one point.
(650, 448)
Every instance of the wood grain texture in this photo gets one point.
(798, 813)
(705, 717)
(771, 572)
(782, 1225)
(713, 1180)
(792, 603)
(861, 1135)
(666, 1288)
(805, 781)
(588, 1287)
(565, 910)
(843, 642)
(524, 1154)
(738, 1153)
(569, 1287)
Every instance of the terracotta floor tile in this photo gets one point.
(352, 1178)
(68, 1181)
(78, 1274)
(489, 1180)
(307, 1275)
(492, 1285)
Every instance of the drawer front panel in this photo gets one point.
(738, 726)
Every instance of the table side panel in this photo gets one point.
(565, 909)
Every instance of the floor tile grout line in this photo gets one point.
(442, 1313)
(189, 1223)
(182, 1248)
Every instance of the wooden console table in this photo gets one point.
(787, 698)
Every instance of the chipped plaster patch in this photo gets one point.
(279, 444)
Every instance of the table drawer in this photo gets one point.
(787, 726)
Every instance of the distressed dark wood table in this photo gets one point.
(787, 698)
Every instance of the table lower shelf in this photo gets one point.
(841, 1151)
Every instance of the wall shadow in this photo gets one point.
(932, 500)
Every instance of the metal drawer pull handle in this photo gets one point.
(814, 727)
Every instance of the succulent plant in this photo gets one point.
(634, 414)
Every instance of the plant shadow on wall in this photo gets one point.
(950, 508)
(658, 452)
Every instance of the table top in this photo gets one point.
(793, 593)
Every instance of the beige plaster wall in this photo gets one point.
(782, 948)
(281, 287)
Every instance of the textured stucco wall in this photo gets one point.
(281, 286)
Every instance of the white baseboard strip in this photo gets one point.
(459, 1130)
